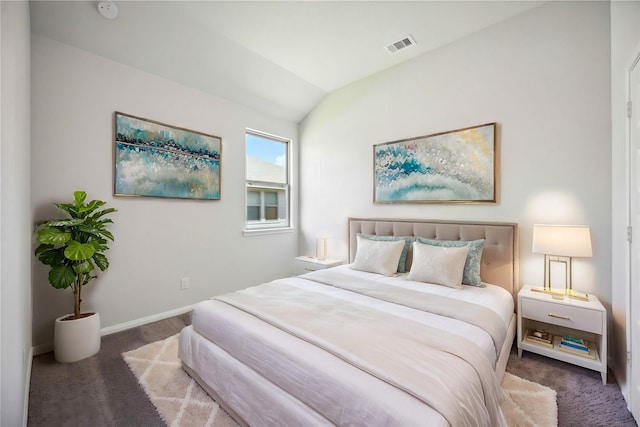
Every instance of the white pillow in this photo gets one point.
(378, 256)
(438, 264)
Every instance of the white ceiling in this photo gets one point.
(280, 57)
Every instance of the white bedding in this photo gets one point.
(491, 296)
(244, 355)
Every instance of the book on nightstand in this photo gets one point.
(575, 342)
(570, 346)
(539, 337)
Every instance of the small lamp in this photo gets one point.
(321, 248)
(560, 243)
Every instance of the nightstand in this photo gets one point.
(584, 319)
(305, 264)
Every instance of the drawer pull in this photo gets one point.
(309, 269)
(558, 316)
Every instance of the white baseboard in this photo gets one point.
(42, 349)
(144, 320)
(45, 348)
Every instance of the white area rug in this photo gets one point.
(528, 404)
(181, 402)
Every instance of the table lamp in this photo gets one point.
(321, 248)
(561, 243)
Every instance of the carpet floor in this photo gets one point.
(102, 391)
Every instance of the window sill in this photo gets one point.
(264, 231)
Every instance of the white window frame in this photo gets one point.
(264, 226)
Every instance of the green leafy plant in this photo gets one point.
(73, 247)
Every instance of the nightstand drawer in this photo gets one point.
(303, 264)
(305, 267)
(565, 315)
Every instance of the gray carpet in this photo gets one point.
(582, 398)
(102, 391)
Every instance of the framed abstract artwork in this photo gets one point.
(157, 160)
(457, 166)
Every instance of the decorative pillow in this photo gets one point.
(438, 264)
(402, 264)
(471, 274)
(377, 256)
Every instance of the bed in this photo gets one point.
(372, 342)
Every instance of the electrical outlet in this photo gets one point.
(184, 283)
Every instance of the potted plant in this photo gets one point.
(73, 248)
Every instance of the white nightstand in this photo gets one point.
(584, 319)
(305, 264)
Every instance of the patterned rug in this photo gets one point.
(181, 402)
(528, 404)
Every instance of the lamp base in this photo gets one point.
(561, 293)
(582, 296)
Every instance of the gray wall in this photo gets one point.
(157, 241)
(15, 215)
(544, 76)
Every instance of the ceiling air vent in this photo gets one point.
(401, 44)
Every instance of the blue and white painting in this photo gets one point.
(153, 159)
(456, 166)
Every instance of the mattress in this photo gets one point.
(269, 371)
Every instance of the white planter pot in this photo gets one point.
(76, 339)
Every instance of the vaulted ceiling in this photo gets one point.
(280, 57)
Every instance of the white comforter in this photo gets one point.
(360, 381)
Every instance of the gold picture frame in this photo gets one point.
(153, 159)
(458, 166)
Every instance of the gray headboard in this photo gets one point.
(499, 264)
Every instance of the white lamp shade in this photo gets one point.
(562, 240)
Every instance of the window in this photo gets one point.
(267, 181)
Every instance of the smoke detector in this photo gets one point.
(401, 44)
(108, 9)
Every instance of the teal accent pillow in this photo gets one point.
(471, 275)
(402, 264)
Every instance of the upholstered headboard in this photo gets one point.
(499, 264)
